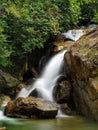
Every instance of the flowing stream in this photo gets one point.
(45, 84)
(47, 81)
(74, 34)
(69, 123)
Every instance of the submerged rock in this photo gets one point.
(31, 108)
(82, 65)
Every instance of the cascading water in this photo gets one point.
(45, 84)
(74, 34)
(47, 81)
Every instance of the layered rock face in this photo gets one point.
(82, 70)
(31, 107)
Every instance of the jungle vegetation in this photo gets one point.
(28, 24)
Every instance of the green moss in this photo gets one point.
(83, 41)
(92, 53)
(84, 51)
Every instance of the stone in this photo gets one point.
(67, 110)
(82, 64)
(19, 87)
(8, 83)
(31, 107)
(62, 91)
(4, 99)
(35, 93)
(30, 74)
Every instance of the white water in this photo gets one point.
(1, 114)
(74, 34)
(3, 117)
(47, 81)
(61, 114)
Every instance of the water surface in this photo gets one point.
(68, 123)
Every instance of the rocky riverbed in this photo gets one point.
(77, 88)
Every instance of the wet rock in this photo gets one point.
(82, 65)
(62, 90)
(67, 110)
(4, 100)
(30, 74)
(35, 93)
(58, 46)
(31, 108)
(19, 87)
(7, 83)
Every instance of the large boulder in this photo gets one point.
(31, 107)
(62, 90)
(8, 83)
(82, 70)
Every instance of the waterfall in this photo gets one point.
(45, 84)
(74, 34)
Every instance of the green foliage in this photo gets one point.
(5, 50)
(95, 18)
(28, 24)
(82, 2)
(89, 8)
(71, 13)
(31, 24)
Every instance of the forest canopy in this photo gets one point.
(28, 24)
